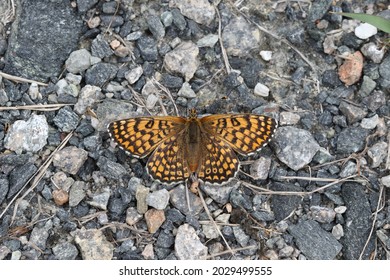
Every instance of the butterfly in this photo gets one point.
(201, 148)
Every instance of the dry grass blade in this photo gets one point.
(38, 107)
(261, 190)
(223, 50)
(35, 178)
(19, 79)
(387, 166)
(213, 222)
(168, 93)
(374, 219)
(9, 12)
(124, 226)
(232, 251)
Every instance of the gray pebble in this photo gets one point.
(65, 251)
(158, 199)
(30, 135)
(66, 120)
(89, 95)
(156, 27)
(377, 153)
(352, 112)
(322, 214)
(188, 245)
(78, 61)
(93, 245)
(111, 169)
(179, 201)
(201, 11)
(183, 60)
(141, 195)
(132, 216)
(100, 47)
(100, 200)
(314, 242)
(260, 168)
(295, 147)
(100, 73)
(351, 140)
(70, 159)
(76, 193)
(148, 48)
(239, 37)
(19, 176)
(241, 237)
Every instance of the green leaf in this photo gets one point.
(379, 22)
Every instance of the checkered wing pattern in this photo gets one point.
(219, 163)
(140, 136)
(167, 164)
(245, 133)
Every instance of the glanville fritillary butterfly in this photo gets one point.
(204, 148)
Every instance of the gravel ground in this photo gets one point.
(318, 191)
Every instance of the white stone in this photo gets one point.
(266, 55)
(261, 90)
(201, 11)
(338, 231)
(183, 60)
(386, 181)
(340, 209)
(78, 61)
(134, 74)
(188, 245)
(60, 86)
(372, 51)
(33, 91)
(186, 91)
(365, 31)
(28, 135)
(151, 101)
(370, 123)
(289, 118)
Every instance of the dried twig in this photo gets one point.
(164, 89)
(212, 220)
(373, 222)
(223, 50)
(19, 79)
(261, 190)
(37, 107)
(35, 178)
(9, 12)
(387, 166)
(232, 251)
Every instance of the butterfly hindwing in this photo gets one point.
(219, 163)
(167, 163)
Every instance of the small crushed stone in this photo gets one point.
(289, 201)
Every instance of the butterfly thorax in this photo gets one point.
(193, 144)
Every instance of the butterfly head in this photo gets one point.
(192, 113)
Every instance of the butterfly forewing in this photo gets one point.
(168, 163)
(219, 163)
(245, 133)
(140, 136)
